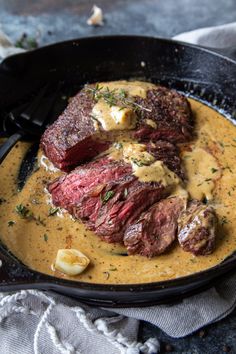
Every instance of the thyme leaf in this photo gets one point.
(52, 211)
(115, 97)
(10, 223)
(45, 237)
(112, 269)
(25, 213)
(108, 195)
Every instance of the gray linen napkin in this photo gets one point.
(44, 322)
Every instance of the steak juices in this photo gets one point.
(129, 185)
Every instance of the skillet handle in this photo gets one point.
(8, 144)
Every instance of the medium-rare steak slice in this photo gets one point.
(197, 228)
(107, 196)
(78, 136)
(72, 138)
(67, 190)
(156, 228)
(108, 211)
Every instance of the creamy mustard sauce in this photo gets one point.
(205, 171)
(156, 172)
(36, 244)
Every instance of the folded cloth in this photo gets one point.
(44, 322)
(215, 37)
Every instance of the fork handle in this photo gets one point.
(9, 143)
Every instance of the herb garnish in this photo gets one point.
(26, 42)
(205, 180)
(10, 223)
(227, 168)
(112, 269)
(115, 97)
(45, 237)
(214, 170)
(137, 162)
(108, 195)
(25, 213)
(208, 179)
(224, 220)
(125, 192)
(52, 211)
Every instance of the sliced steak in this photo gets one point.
(67, 190)
(128, 199)
(156, 229)
(73, 139)
(107, 196)
(197, 229)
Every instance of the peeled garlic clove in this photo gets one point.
(71, 261)
(97, 17)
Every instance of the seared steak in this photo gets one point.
(73, 138)
(128, 199)
(172, 114)
(156, 228)
(197, 229)
(67, 190)
(107, 196)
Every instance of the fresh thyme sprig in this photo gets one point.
(25, 213)
(115, 97)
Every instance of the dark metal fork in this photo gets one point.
(29, 119)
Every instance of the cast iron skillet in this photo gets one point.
(202, 73)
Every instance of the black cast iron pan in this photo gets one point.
(199, 72)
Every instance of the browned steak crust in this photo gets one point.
(72, 139)
(197, 229)
(156, 228)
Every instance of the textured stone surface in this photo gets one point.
(55, 20)
(217, 338)
(67, 19)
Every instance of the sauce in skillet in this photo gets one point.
(210, 163)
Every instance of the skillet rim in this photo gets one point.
(40, 278)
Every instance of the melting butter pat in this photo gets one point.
(135, 153)
(71, 261)
(156, 172)
(114, 117)
(124, 117)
